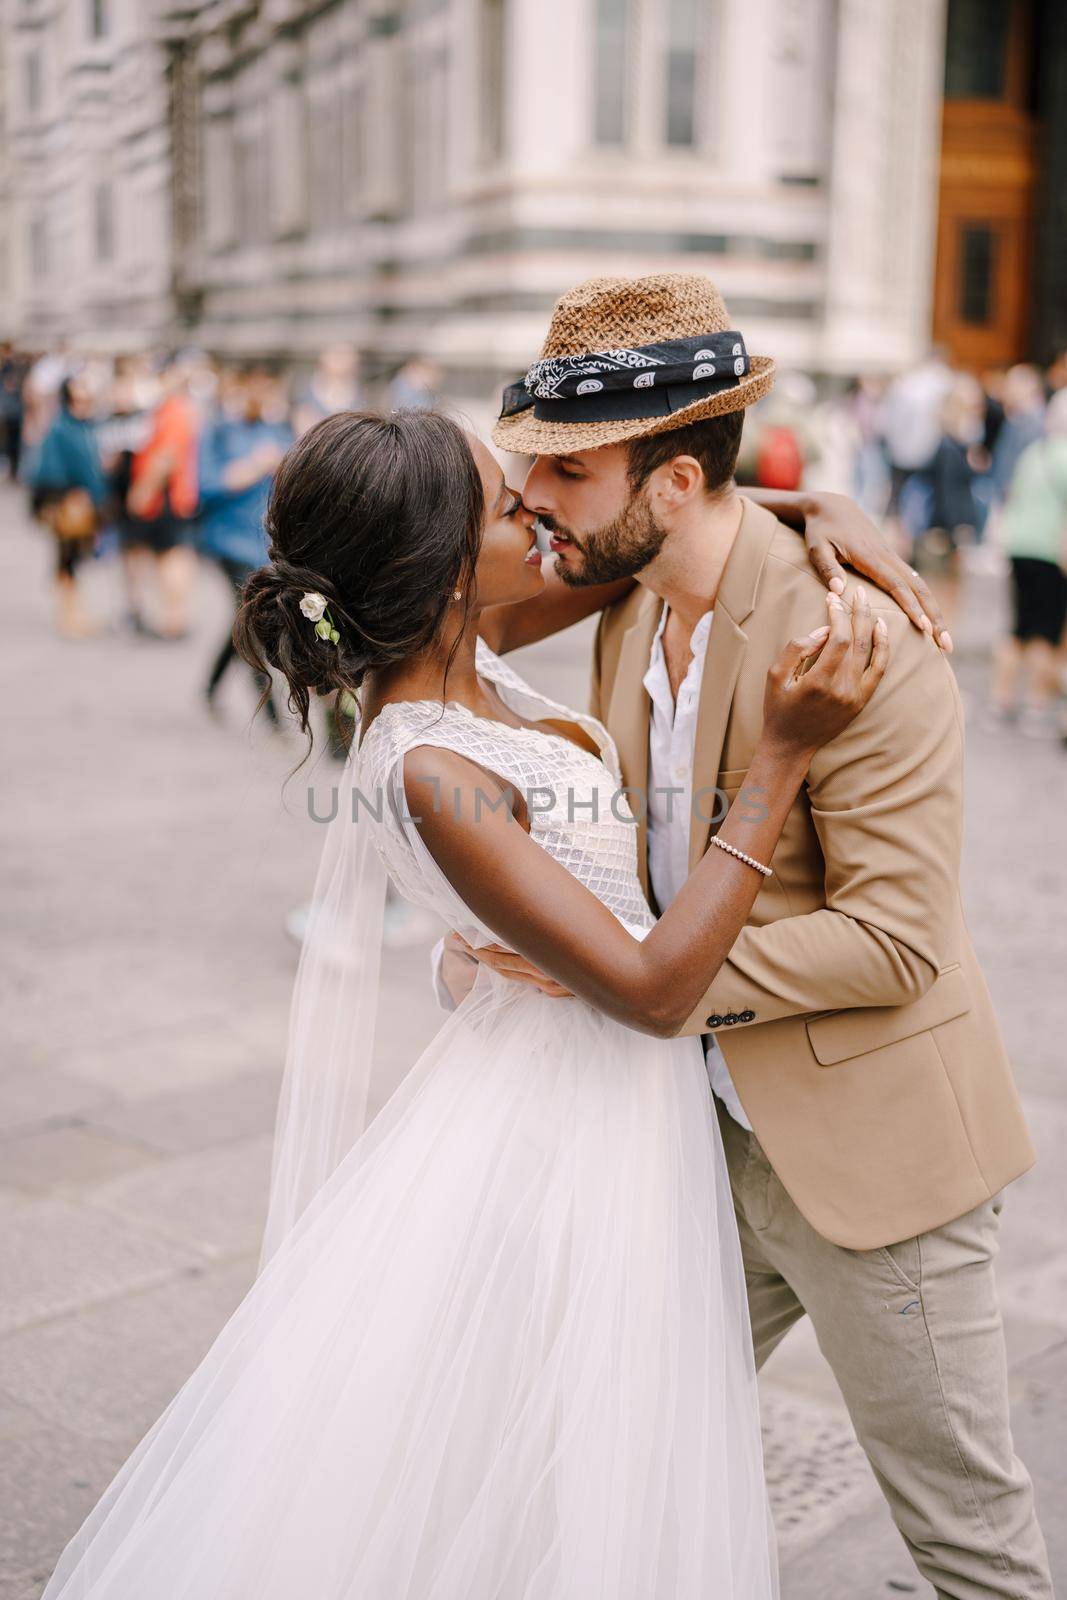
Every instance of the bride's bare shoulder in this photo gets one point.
(446, 789)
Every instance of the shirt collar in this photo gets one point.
(698, 639)
(655, 680)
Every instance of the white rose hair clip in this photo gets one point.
(313, 606)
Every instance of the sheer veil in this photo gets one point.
(327, 1095)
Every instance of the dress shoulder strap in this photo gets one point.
(531, 703)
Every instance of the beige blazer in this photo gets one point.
(852, 1012)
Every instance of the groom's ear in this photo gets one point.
(675, 483)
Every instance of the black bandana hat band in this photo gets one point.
(648, 380)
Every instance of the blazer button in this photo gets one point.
(715, 1022)
(748, 1016)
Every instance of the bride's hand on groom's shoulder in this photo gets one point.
(836, 531)
(506, 962)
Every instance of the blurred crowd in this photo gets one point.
(158, 464)
(966, 475)
(161, 462)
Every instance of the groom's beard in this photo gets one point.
(618, 550)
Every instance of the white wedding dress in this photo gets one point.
(505, 1355)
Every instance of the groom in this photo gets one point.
(867, 1107)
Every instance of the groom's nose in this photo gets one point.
(536, 491)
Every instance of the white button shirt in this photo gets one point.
(671, 746)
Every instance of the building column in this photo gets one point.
(744, 136)
(882, 205)
(549, 75)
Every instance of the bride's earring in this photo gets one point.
(457, 594)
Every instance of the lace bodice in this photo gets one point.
(577, 810)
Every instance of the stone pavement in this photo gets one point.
(150, 856)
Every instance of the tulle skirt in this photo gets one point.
(504, 1355)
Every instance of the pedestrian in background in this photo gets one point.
(13, 368)
(779, 441)
(1033, 532)
(40, 394)
(1023, 401)
(68, 492)
(163, 499)
(870, 474)
(911, 431)
(954, 512)
(240, 450)
(333, 386)
(415, 385)
(120, 435)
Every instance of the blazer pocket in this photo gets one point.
(732, 779)
(839, 1035)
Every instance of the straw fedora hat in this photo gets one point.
(629, 357)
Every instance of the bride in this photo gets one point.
(498, 1346)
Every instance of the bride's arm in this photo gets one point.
(539, 909)
(834, 530)
(468, 821)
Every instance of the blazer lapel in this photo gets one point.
(628, 717)
(726, 652)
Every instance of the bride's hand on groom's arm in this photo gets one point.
(466, 956)
(835, 531)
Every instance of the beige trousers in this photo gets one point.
(913, 1334)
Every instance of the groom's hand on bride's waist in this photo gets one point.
(506, 962)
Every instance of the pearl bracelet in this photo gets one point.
(750, 861)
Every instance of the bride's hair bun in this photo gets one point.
(270, 618)
(382, 516)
